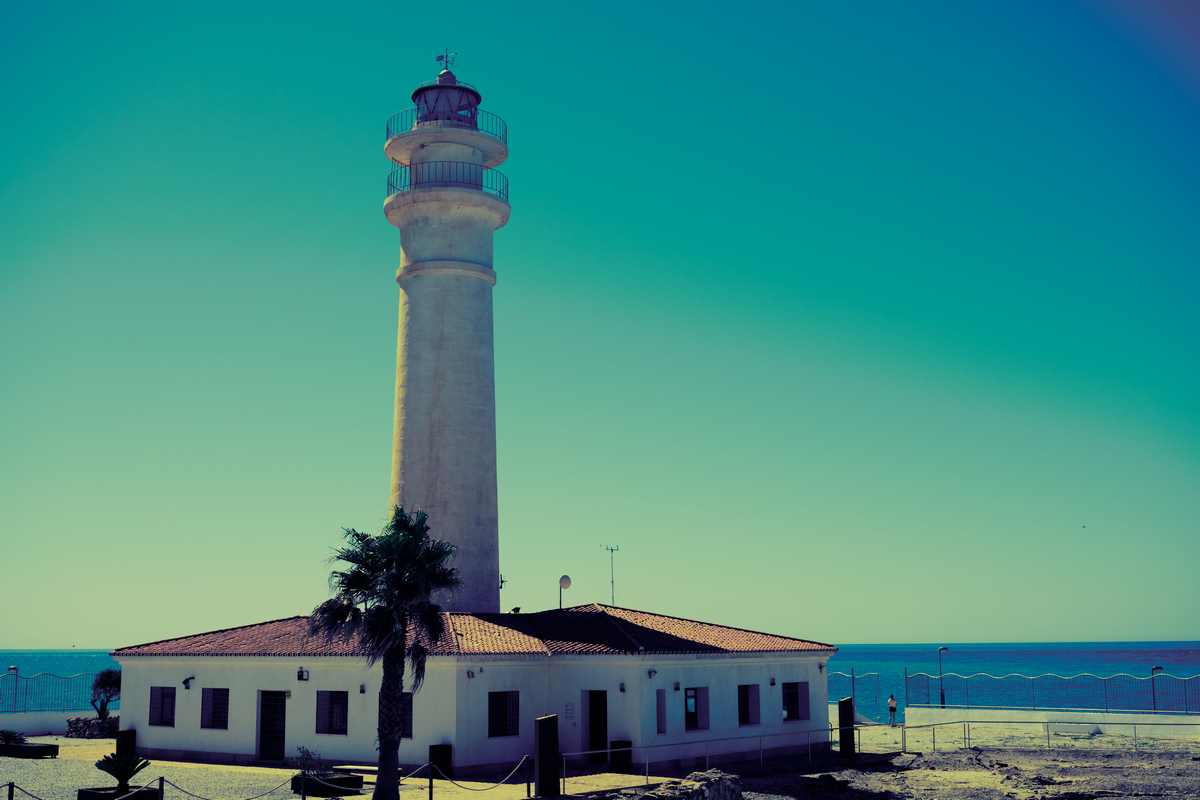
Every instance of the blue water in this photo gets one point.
(27, 692)
(1181, 659)
(63, 663)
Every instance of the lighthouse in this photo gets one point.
(448, 200)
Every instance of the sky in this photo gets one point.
(856, 322)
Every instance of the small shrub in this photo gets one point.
(310, 763)
(12, 737)
(122, 767)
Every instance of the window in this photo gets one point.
(214, 709)
(504, 714)
(162, 706)
(748, 707)
(406, 715)
(695, 708)
(795, 701)
(332, 711)
(660, 700)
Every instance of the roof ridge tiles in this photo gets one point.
(210, 633)
(606, 608)
(616, 621)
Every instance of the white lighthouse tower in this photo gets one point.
(447, 201)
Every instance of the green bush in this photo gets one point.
(12, 737)
(123, 767)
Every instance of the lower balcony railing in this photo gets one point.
(433, 174)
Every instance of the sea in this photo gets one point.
(878, 669)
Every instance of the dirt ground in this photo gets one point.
(982, 774)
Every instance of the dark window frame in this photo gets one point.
(406, 715)
(333, 713)
(796, 703)
(749, 704)
(504, 714)
(214, 709)
(162, 706)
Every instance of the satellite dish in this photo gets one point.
(564, 582)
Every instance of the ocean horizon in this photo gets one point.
(878, 669)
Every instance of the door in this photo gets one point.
(598, 726)
(272, 712)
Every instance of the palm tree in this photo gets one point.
(385, 600)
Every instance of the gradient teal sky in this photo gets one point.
(841, 319)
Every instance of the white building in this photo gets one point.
(673, 688)
(670, 687)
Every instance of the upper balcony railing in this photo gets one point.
(436, 174)
(409, 120)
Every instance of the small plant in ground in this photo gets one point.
(310, 763)
(123, 767)
(12, 737)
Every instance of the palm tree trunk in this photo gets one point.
(387, 779)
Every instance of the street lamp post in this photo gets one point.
(1153, 693)
(941, 689)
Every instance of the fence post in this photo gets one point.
(934, 729)
(161, 781)
(906, 688)
(10, 790)
(903, 739)
(430, 773)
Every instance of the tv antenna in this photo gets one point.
(612, 577)
(447, 60)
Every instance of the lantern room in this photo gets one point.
(446, 101)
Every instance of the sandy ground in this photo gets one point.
(999, 763)
(59, 778)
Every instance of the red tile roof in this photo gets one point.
(583, 630)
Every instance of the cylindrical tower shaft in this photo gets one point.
(447, 203)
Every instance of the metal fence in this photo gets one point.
(46, 692)
(433, 174)
(1119, 693)
(411, 119)
(863, 688)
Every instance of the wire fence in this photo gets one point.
(46, 692)
(1159, 694)
(863, 688)
(1066, 735)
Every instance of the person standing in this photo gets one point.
(892, 709)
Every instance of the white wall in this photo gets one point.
(1151, 725)
(452, 708)
(45, 723)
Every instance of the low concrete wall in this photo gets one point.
(41, 723)
(1164, 726)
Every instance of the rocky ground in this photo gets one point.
(981, 774)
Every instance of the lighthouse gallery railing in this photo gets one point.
(484, 122)
(433, 174)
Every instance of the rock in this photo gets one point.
(92, 728)
(711, 785)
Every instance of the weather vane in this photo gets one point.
(447, 60)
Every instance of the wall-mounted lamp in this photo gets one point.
(772, 681)
(677, 686)
(362, 688)
(187, 681)
(470, 674)
(302, 674)
(622, 686)
(821, 667)
(650, 673)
